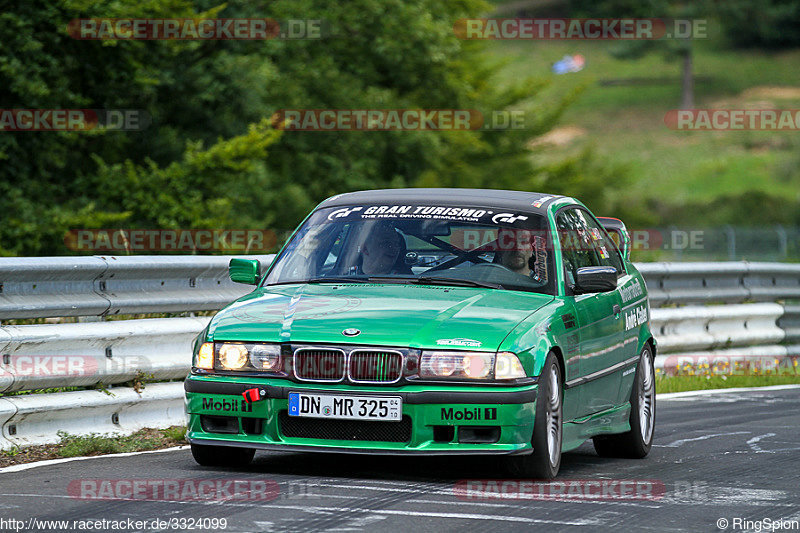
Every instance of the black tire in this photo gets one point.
(545, 460)
(636, 443)
(230, 456)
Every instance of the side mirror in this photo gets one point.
(247, 271)
(619, 234)
(595, 279)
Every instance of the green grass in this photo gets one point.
(625, 123)
(176, 433)
(666, 384)
(94, 444)
(85, 445)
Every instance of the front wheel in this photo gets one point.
(229, 456)
(637, 442)
(545, 460)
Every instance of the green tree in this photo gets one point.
(761, 23)
(679, 49)
(210, 159)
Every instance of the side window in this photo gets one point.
(605, 247)
(577, 246)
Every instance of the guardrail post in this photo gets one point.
(731, 235)
(783, 239)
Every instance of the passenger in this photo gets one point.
(382, 252)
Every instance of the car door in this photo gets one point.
(600, 331)
(635, 311)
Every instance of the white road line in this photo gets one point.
(365, 511)
(526, 502)
(433, 514)
(753, 443)
(776, 450)
(681, 442)
(689, 393)
(28, 466)
(450, 492)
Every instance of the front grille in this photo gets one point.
(315, 364)
(320, 428)
(375, 366)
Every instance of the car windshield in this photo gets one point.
(420, 244)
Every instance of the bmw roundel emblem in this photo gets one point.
(351, 332)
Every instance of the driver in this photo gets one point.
(381, 250)
(515, 250)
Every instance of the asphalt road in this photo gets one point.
(725, 456)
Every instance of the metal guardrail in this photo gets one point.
(37, 418)
(116, 351)
(110, 285)
(790, 322)
(85, 354)
(724, 336)
(38, 287)
(715, 327)
(727, 282)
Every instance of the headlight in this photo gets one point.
(456, 365)
(232, 356)
(244, 356)
(265, 356)
(205, 356)
(470, 365)
(507, 366)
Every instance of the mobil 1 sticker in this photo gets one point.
(467, 414)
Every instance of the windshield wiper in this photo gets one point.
(458, 282)
(425, 280)
(321, 280)
(392, 279)
(339, 279)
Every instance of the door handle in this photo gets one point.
(617, 310)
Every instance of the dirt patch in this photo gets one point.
(772, 93)
(558, 137)
(762, 97)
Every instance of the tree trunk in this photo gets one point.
(687, 87)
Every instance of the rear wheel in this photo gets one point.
(222, 455)
(545, 460)
(637, 442)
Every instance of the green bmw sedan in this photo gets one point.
(432, 321)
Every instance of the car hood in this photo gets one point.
(385, 314)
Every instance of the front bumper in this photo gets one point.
(443, 419)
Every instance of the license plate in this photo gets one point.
(345, 406)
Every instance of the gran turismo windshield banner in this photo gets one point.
(457, 245)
